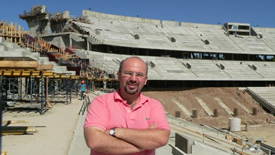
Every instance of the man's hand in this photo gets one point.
(146, 139)
(153, 126)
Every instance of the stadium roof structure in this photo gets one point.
(175, 51)
(239, 38)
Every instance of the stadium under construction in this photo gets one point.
(205, 75)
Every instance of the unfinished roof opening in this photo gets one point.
(172, 39)
(136, 36)
(151, 64)
(239, 29)
(221, 66)
(252, 66)
(187, 65)
(205, 41)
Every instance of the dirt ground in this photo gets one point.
(261, 124)
(187, 98)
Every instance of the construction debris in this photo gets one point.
(17, 130)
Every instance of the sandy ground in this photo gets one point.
(54, 139)
(264, 133)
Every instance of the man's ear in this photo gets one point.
(118, 75)
(146, 81)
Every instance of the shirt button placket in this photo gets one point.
(130, 117)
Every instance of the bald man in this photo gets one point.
(126, 121)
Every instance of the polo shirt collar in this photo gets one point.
(143, 99)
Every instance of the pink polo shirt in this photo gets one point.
(111, 111)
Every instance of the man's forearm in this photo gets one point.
(99, 141)
(144, 138)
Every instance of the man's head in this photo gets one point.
(132, 75)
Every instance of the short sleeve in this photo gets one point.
(158, 115)
(97, 115)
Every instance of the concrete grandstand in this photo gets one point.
(175, 51)
(184, 60)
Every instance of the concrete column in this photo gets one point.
(22, 87)
(104, 84)
(47, 91)
(70, 41)
(87, 45)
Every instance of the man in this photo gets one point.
(126, 121)
(83, 89)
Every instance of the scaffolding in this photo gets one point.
(26, 84)
(36, 91)
(16, 34)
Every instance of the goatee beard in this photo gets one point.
(131, 92)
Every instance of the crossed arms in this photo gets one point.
(126, 140)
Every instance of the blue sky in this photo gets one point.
(256, 12)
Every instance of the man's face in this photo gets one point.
(133, 76)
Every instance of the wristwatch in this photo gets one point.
(112, 132)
